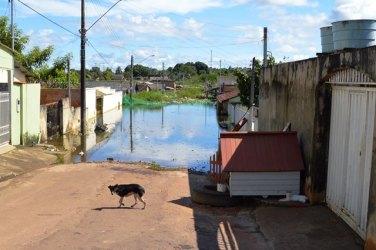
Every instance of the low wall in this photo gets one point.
(54, 95)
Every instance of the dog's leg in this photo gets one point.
(121, 202)
(143, 201)
(135, 199)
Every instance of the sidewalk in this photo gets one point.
(18, 160)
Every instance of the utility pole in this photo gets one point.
(131, 83)
(69, 84)
(83, 71)
(211, 60)
(220, 80)
(265, 47)
(11, 74)
(252, 89)
(163, 79)
(12, 23)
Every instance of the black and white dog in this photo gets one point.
(125, 190)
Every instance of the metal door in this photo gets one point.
(53, 119)
(4, 118)
(350, 154)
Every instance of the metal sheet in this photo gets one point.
(260, 152)
(350, 154)
(4, 118)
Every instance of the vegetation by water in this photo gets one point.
(192, 91)
(186, 95)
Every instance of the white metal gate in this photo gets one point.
(350, 153)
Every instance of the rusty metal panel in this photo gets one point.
(350, 154)
(260, 152)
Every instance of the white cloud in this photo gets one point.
(249, 33)
(168, 6)
(299, 3)
(296, 34)
(65, 8)
(194, 27)
(354, 9)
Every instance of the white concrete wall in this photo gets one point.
(112, 101)
(91, 103)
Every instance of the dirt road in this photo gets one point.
(70, 207)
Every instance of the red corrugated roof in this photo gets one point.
(260, 152)
(227, 96)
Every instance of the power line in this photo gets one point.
(103, 14)
(48, 19)
(104, 59)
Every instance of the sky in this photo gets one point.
(220, 33)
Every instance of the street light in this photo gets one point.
(132, 59)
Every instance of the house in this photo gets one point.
(58, 116)
(6, 68)
(226, 80)
(331, 101)
(20, 102)
(142, 87)
(261, 163)
(163, 82)
(225, 100)
(169, 84)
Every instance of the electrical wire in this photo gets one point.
(104, 59)
(29, 7)
(103, 14)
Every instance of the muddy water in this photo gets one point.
(183, 135)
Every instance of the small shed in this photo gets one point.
(261, 163)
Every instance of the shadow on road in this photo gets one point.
(252, 225)
(226, 227)
(101, 208)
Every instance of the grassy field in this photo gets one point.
(191, 91)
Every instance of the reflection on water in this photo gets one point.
(182, 135)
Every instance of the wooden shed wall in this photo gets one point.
(264, 183)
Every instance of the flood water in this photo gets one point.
(181, 135)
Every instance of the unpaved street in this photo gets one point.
(70, 207)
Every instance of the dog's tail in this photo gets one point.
(141, 191)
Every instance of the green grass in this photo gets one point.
(155, 166)
(185, 95)
(152, 96)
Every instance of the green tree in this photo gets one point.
(20, 40)
(56, 76)
(244, 80)
(201, 68)
(36, 57)
(95, 73)
(107, 74)
(118, 70)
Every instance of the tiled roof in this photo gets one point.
(228, 95)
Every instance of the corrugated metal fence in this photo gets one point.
(4, 118)
(350, 154)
